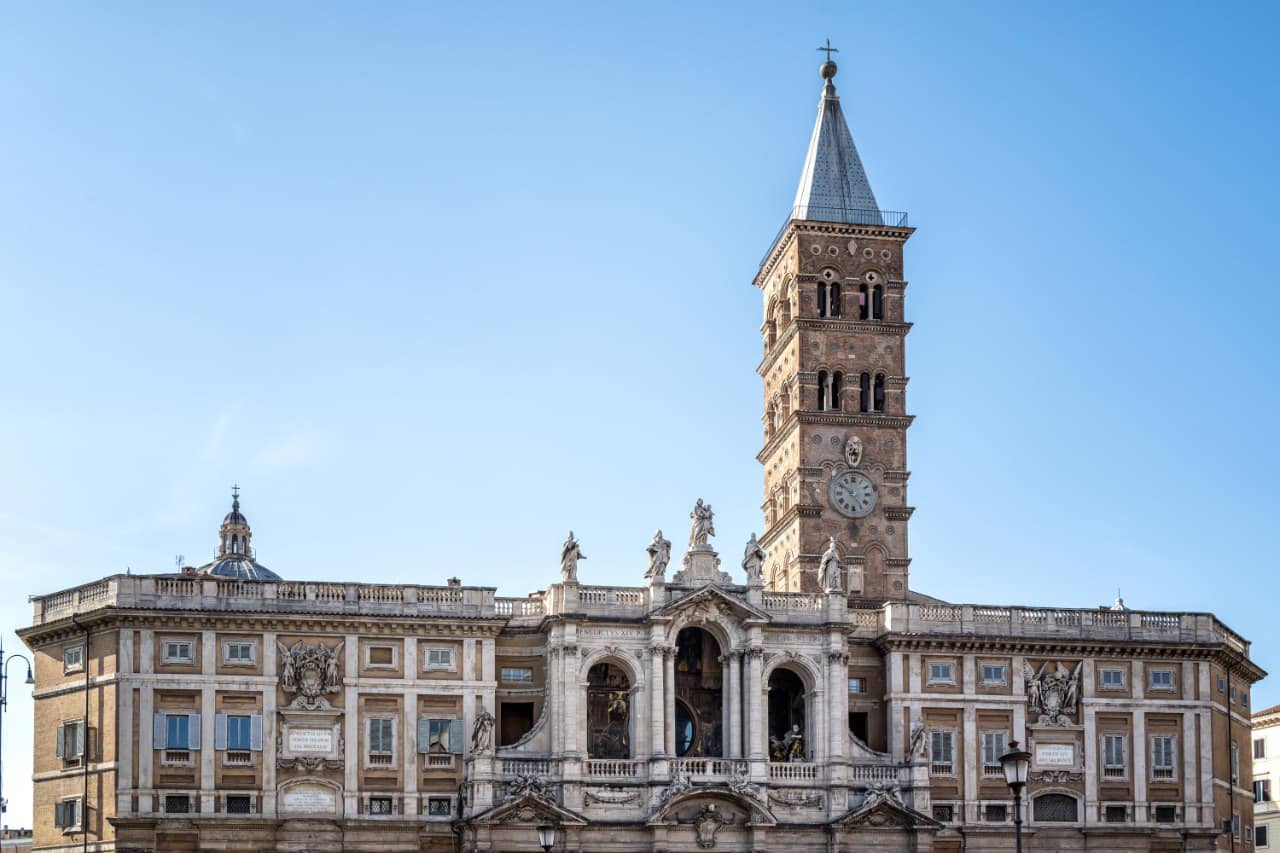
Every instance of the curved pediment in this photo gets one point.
(729, 806)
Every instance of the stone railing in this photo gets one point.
(711, 769)
(219, 594)
(1063, 624)
(878, 773)
(793, 771)
(612, 768)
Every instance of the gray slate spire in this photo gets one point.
(833, 185)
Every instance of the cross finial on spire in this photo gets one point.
(235, 492)
(829, 49)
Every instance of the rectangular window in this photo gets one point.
(1260, 837)
(238, 732)
(439, 807)
(944, 813)
(942, 673)
(516, 674)
(440, 657)
(70, 741)
(177, 731)
(1231, 694)
(994, 745)
(942, 753)
(857, 685)
(177, 651)
(1112, 679)
(73, 659)
(380, 657)
(239, 652)
(239, 804)
(1260, 747)
(995, 813)
(380, 805)
(1235, 763)
(1235, 824)
(1163, 758)
(177, 804)
(1115, 755)
(1166, 814)
(1161, 679)
(66, 814)
(1222, 685)
(1116, 814)
(438, 736)
(381, 745)
(995, 674)
(1248, 835)
(1262, 790)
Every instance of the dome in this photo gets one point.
(236, 558)
(238, 568)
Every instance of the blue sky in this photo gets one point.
(436, 285)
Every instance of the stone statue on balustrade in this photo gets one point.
(659, 552)
(702, 527)
(482, 733)
(829, 569)
(753, 561)
(570, 554)
(789, 747)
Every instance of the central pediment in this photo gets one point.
(711, 603)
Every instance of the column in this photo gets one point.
(657, 696)
(726, 708)
(207, 755)
(351, 726)
(1018, 681)
(124, 744)
(755, 699)
(895, 707)
(409, 725)
(146, 748)
(268, 756)
(838, 705)
(735, 707)
(669, 667)
(970, 750)
(1091, 761)
(1186, 754)
(1139, 765)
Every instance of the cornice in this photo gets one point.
(875, 327)
(796, 227)
(877, 421)
(898, 513)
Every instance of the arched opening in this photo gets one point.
(877, 401)
(877, 303)
(835, 299)
(823, 390)
(788, 739)
(837, 379)
(698, 711)
(822, 300)
(235, 544)
(608, 712)
(864, 304)
(864, 391)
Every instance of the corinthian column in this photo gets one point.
(657, 699)
(755, 702)
(734, 734)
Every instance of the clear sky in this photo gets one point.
(435, 284)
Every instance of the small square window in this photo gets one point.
(239, 804)
(857, 685)
(66, 814)
(1166, 814)
(995, 813)
(942, 673)
(177, 804)
(177, 651)
(380, 657)
(944, 814)
(1116, 814)
(995, 674)
(439, 807)
(1161, 679)
(514, 674)
(73, 659)
(239, 652)
(380, 805)
(440, 657)
(1112, 679)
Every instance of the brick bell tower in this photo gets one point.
(835, 421)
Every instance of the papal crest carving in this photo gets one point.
(1053, 695)
(707, 824)
(310, 672)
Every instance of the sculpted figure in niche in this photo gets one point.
(753, 560)
(659, 551)
(918, 732)
(482, 733)
(702, 526)
(570, 554)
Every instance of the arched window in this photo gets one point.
(864, 392)
(822, 300)
(837, 379)
(788, 735)
(608, 712)
(699, 710)
(824, 390)
(877, 403)
(877, 303)
(864, 305)
(835, 299)
(235, 544)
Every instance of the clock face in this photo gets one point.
(853, 494)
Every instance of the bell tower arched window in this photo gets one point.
(871, 392)
(822, 300)
(877, 396)
(877, 303)
(824, 390)
(864, 303)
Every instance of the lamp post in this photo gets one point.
(4, 706)
(1016, 763)
(547, 836)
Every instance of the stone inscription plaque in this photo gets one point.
(315, 741)
(310, 799)
(1055, 755)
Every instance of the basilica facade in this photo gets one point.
(795, 694)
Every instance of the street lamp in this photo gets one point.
(4, 706)
(1016, 763)
(547, 836)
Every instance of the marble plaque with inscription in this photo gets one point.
(310, 741)
(310, 799)
(1055, 755)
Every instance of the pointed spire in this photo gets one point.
(833, 185)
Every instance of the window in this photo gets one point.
(1260, 837)
(380, 805)
(994, 673)
(380, 657)
(438, 735)
(381, 744)
(1262, 790)
(1116, 814)
(1248, 835)
(942, 673)
(877, 303)
(1235, 763)
(1231, 694)
(176, 734)
(864, 303)
(239, 652)
(857, 685)
(1244, 698)
(942, 753)
(1161, 679)
(177, 804)
(995, 813)
(1163, 758)
(517, 674)
(1055, 808)
(1235, 824)
(73, 659)
(858, 725)
(177, 651)
(1112, 679)
(70, 742)
(66, 814)
(1166, 814)
(439, 807)
(440, 657)
(238, 731)
(877, 396)
(177, 731)
(1222, 685)
(1114, 756)
(834, 301)
(239, 804)
(994, 745)
(944, 814)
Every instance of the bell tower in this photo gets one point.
(835, 421)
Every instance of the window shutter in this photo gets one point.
(255, 732)
(158, 732)
(455, 736)
(81, 740)
(60, 747)
(59, 813)
(220, 731)
(424, 735)
(193, 731)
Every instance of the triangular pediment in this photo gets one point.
(712, 599)
(884, 812)
(530, 809)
